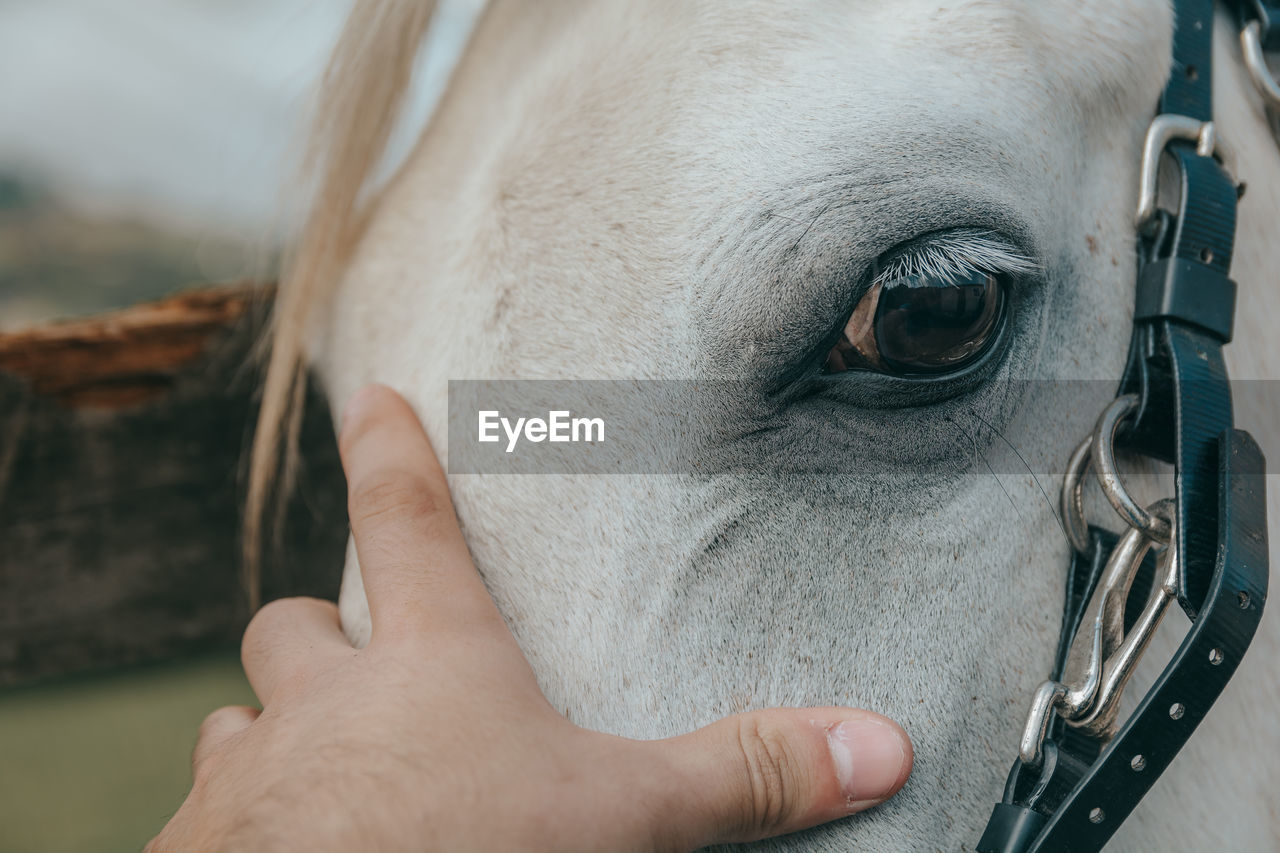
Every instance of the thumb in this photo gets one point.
(766, 773)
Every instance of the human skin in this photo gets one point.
(436, 735)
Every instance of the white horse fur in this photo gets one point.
(671, 189)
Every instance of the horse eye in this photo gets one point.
(921, 325)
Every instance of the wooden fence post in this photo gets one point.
(123, 449)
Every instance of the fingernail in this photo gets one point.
(869, 756)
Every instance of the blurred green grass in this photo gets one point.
(100, 763)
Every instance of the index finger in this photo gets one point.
(415, 565)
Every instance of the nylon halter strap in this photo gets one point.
(1080, 773)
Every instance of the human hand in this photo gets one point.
(436, 736)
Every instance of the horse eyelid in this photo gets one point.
(950, 255)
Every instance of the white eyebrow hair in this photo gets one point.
(947, 257)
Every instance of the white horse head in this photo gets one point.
(663, 189)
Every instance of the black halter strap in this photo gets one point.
(1084, 788)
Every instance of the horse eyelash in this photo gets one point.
(953, 255)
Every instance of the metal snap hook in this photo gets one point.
(1103, 656)
(1125, 649)
(1256, 64)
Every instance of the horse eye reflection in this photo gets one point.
(920, 326)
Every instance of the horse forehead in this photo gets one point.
(1108, 41)
(1079, 51)
(888, 67)
(768, 88)
(1099, 53)
(1105, 39)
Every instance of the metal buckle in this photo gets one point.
(1256, 63)
(1166, 128)
(1102, 657)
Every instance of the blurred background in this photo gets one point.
(146, 146)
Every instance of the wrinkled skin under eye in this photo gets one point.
(921, 326)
